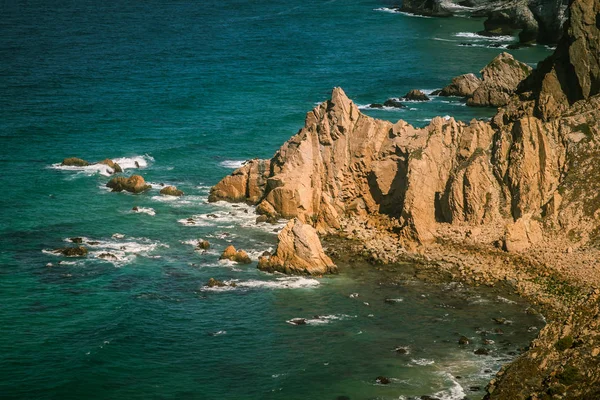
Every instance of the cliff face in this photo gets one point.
(523, 163)
(538, 20)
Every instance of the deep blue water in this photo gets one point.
(190, 89)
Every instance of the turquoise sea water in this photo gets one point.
(189, 90)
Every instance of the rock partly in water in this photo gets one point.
(212, 283)
(133, 184)
(115, 167)
(299, 251)
(416, 95)
(239, 256)
(74, 162)
(393, 103)
(202, 245)
(382, 380)
(171, 191)
(500, 79)
(78, 251)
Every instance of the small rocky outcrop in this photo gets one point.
(133, 184)
(202, 245)
(462, 86)
(115, 167)
(74, 162)
(212, 283)
(382, 380)
(299, 251)
(238, 256)
(393, 103)
(78, 251)
(171, 191)
(416, 95)
(500, 79)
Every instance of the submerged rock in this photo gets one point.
(133, 184)
(75, 162)
(78, 251)
(171, 191)
(299, 251)
(382, 380)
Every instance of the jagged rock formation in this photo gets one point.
(537, 20)
(299, 252)
(500, 80)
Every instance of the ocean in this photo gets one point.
(189, 90)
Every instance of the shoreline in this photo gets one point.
(557, 301)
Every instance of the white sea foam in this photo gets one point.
(291, 282)
(422, 361)
(124, 163)
(145, 210)
(456, 392)
(397, 11)
(475, 36)
(88, 170)
(234, 164)
(384, 108)
(505, 300)
(133, 162)
(398, 300)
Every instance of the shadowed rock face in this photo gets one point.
(537, 20)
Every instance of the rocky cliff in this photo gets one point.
(537, 20)
(525, 183)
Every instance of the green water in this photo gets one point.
(190, 89)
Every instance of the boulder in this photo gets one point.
(382, 380)
(299, 251)
(463, 340)
(462, 86)
(376, 105)
(116, 167)
(78, 251)
(133, 184)
(522, 234)
(239, 256)
(171, 191)
(77, 240)
(416, 95)
(75, 162)
(108, 256)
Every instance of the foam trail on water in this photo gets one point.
(235, 164)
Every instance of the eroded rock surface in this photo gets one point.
(133, 184)
(299, 252)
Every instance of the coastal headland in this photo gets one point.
(513, 199)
